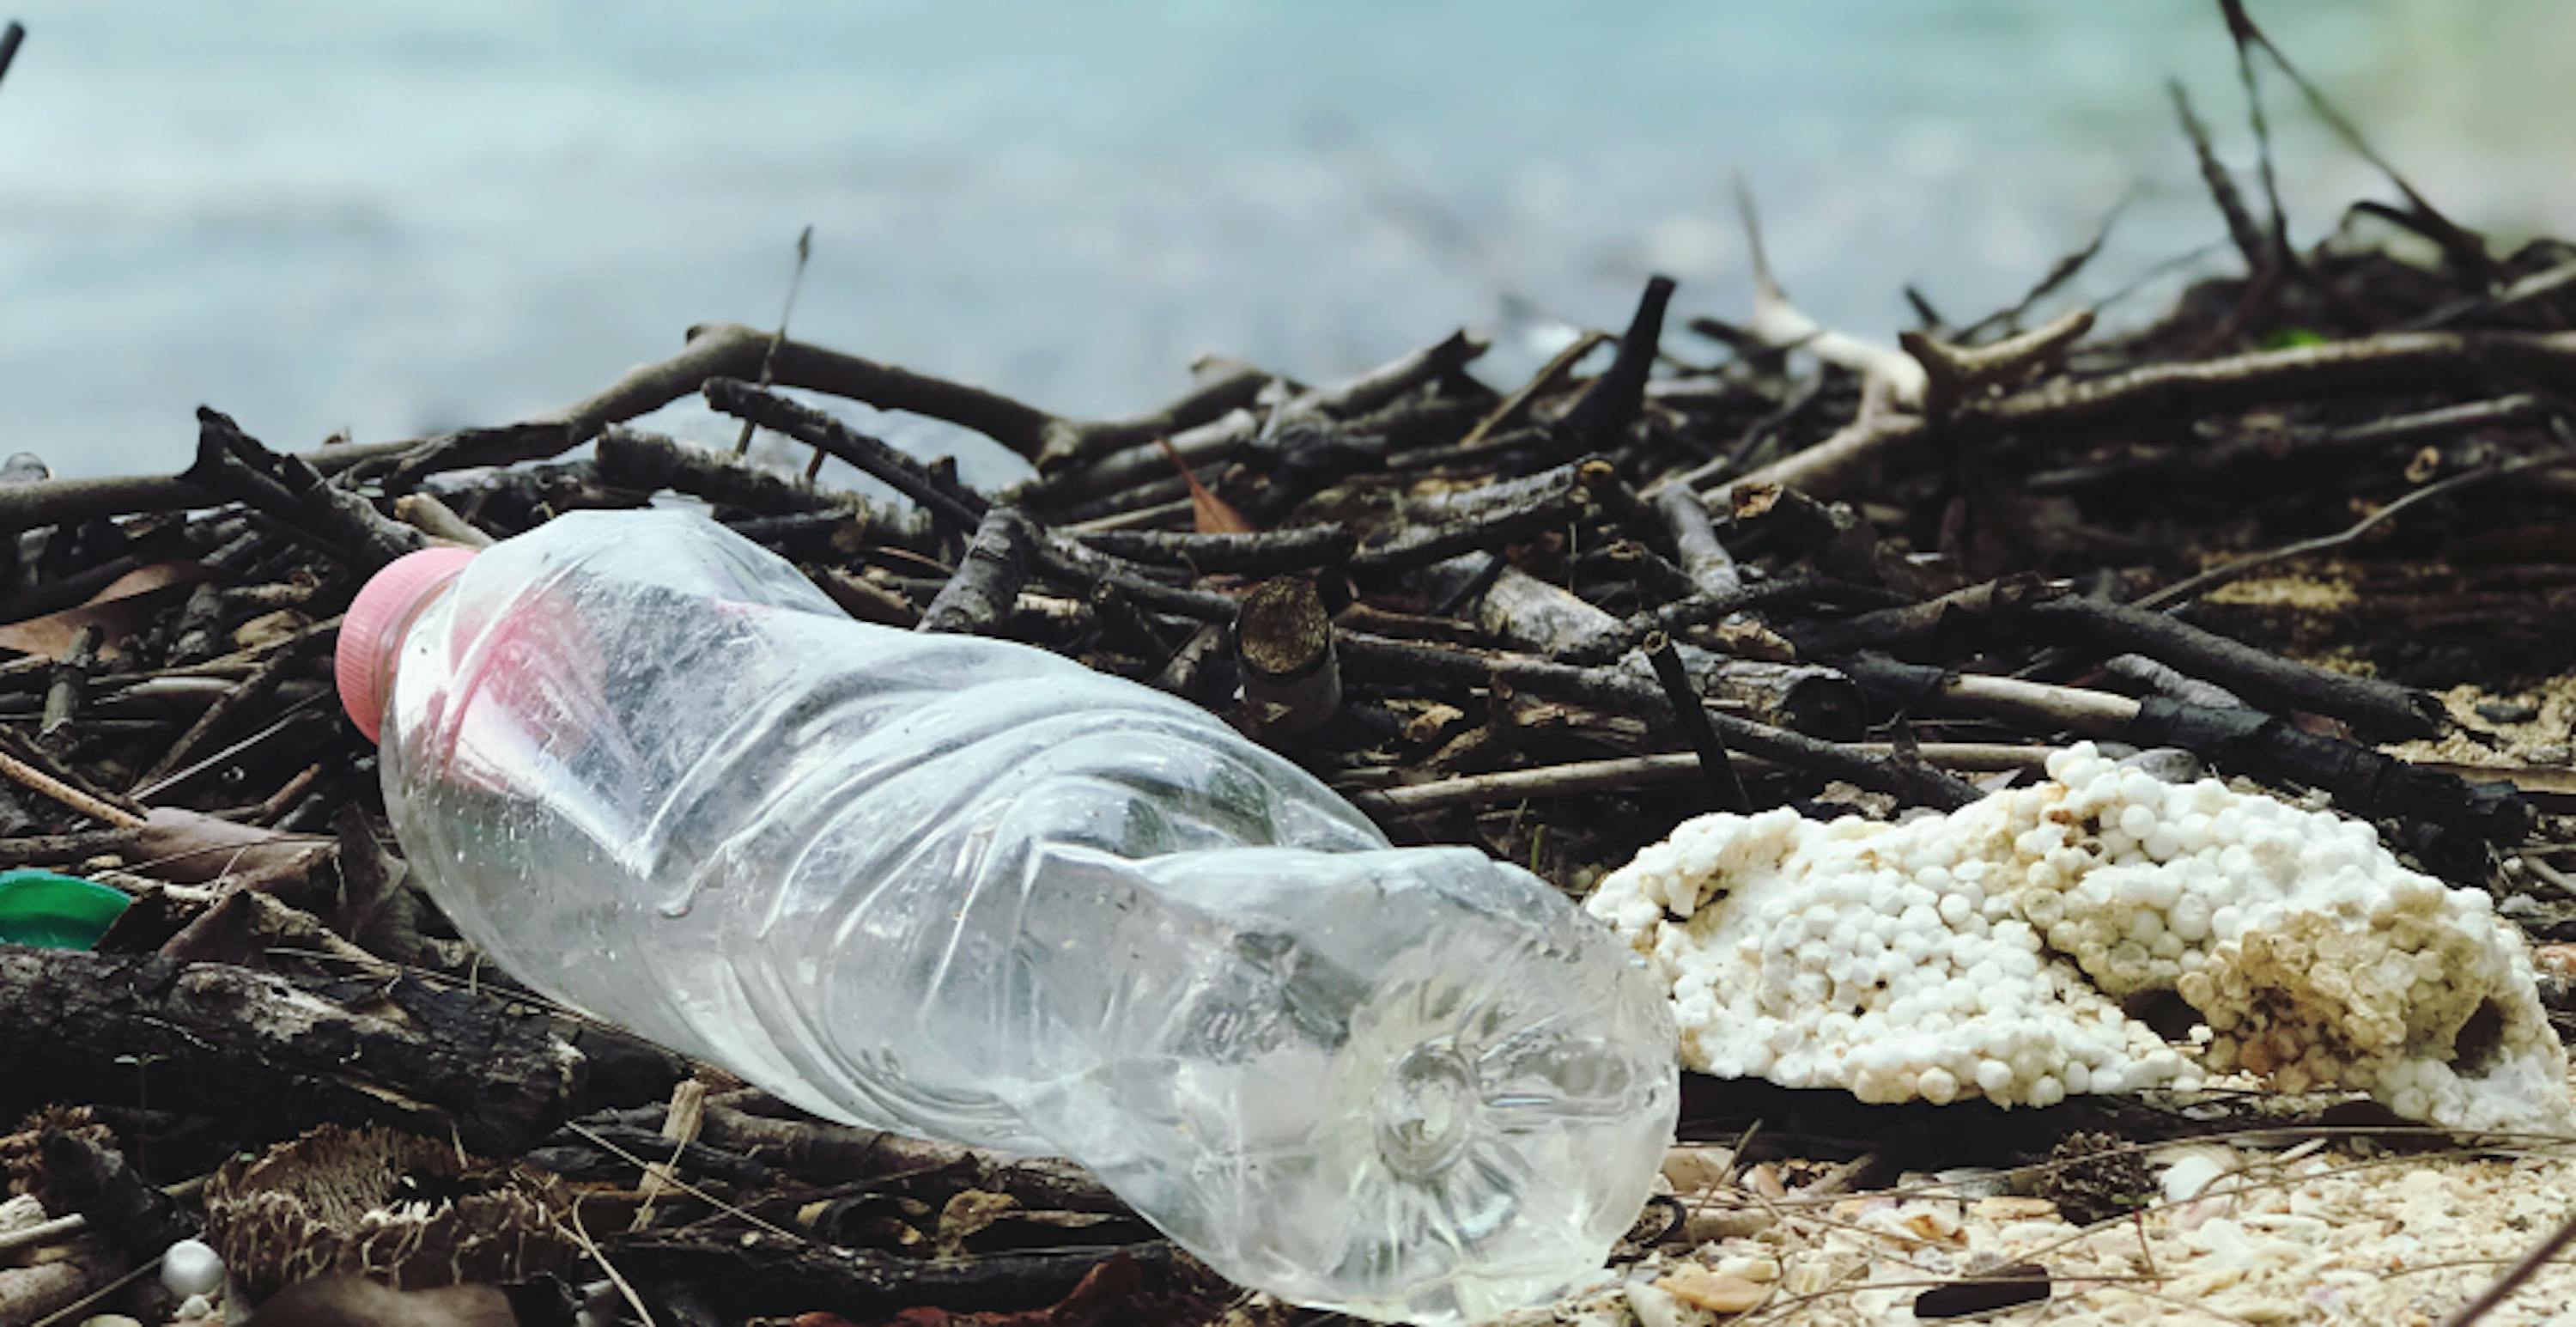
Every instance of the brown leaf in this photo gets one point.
(270, 628)
(1210, 513)
(192, 847)
(122, 609)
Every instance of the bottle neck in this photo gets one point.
(387, 647)
(372, 631)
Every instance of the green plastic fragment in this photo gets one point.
(51, 911)
(2293, 338)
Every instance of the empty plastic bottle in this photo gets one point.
(970, 890)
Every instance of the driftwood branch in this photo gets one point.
(69, 685)
(1781, 325)
(2459, 245)
(232, 462)
(1064, 560)
(1633, 773)
(252, 689)
(1694, 535)
(979, 599)
(755, 1275)
(426, 513)
(1953, 373)
(1600, 417)
(1143, 474)
(2449, 819)
(2047, 707)
(2373, 365)
(1134, 465)
(2059, 273)
(2042, 611)
(1693, 718)
(1265, 553)
(2282, 453)
(730, 350)
(1510, 409)
(54, 501)
(2370, 704)
(946, 499)
(1930, 621)
(256, 1049)
(1634, 692)
(66, 849)
(1522, 610)
(2249, 237)
(1708, 606)
(1433, 529)
(1291, 680)
(1234, 387)
(951, 501)
(1840, 464)
(2377, 365)
(649, 462)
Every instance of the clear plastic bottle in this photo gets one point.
(967, 889)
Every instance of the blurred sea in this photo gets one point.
(401, 218)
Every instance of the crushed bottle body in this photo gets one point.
(967, 889)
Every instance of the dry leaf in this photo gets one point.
(970, 1211)
(1210, 513)
(270, 628)
(122, 609)
(1930, 1224)
(1424, 721)
(192, 847)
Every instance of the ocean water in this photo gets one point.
(395, 219)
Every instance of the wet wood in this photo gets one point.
(254, 1048)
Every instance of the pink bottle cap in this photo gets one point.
(366, 636)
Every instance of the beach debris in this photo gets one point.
(1998, 951)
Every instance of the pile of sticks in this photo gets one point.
(1720, 567)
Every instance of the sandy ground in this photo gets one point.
(2320, 1232)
